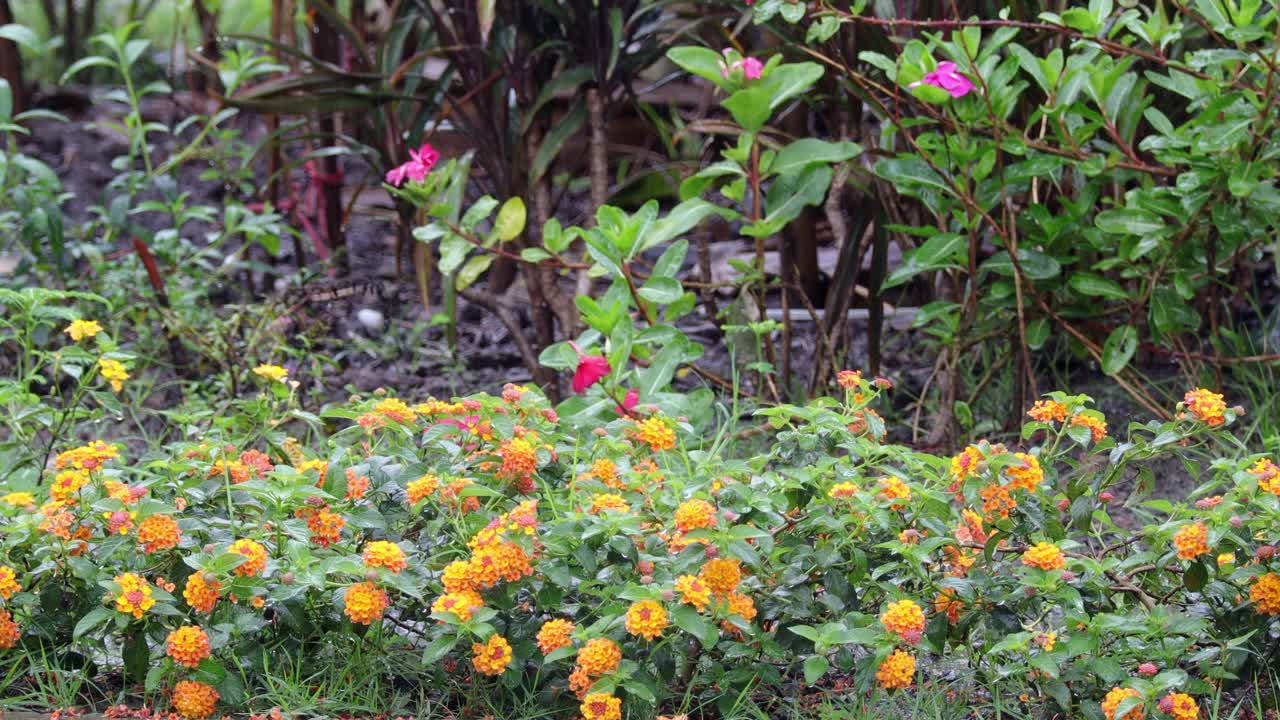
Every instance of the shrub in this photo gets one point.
(485, 543)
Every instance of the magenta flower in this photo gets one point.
(628, 402)
(419, 164)
(948, 78)
(752, 68)
(591, 368)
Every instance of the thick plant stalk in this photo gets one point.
(11, 63)
(326, 47)
(599, 168)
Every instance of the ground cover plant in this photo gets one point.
(548, 359)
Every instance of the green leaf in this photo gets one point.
(662, 290)
(809, 151)
(789, 196)
(549, 150)
(1195, 577)
(137, 656)
(682, 218)
(472, 269)
(22, 35)
(1119, 349)
(661, 369)
(703, 62)
(944, 250)
(91, 620)
(671, 260)
(534, 254)
(787, 81)
(510, 221)
(749, 107)
(1128, 704)
(478, 211)
(815, 666)
(1097, 286)
(83, 64)
(438, 648)
(911, 173)
(1130, 221)
(687, 618)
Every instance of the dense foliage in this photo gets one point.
(690, 505)
(615, 554)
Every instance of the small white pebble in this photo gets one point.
(370, 319)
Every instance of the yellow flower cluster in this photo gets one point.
(656, 432)
(395, 409)
(422, 488)
(1264, 593)
(188, 645)
(905, 619)
(1191, 541)
(86, 457)
(600, 656)
(194, 700)
(10, 633)
(1205, 406)
(554, 634)
(602, 502)
(695, 515)
(1180, 706)
(601, 706)
(255, 557)
(461, 603)
(721, 575)
(8, 582)
(201, 594)
(1116, 696)
(1045, 556)
(135, 595)
(365, 602)
(383, 554)
(114, 372)
(1026, 473)
(274, 373)
(81, 329)
(1048, 411)
(646, 619)
(897, 672)
(693, 592)
(492, 657)
(1268, 476)
(158, 532)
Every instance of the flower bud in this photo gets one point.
(1147, 669)
(668, 595)
(371, 576)
(646, 579)
(1236, 521)
(1063, 504)
(209, 548)
(210, 578)
(288, 578)
(1266, 552)
(1106, 496)
(645, 567)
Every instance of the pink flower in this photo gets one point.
(752, 68)
(591, 368)
(629, 402)
(420, 163)
(947, 78)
